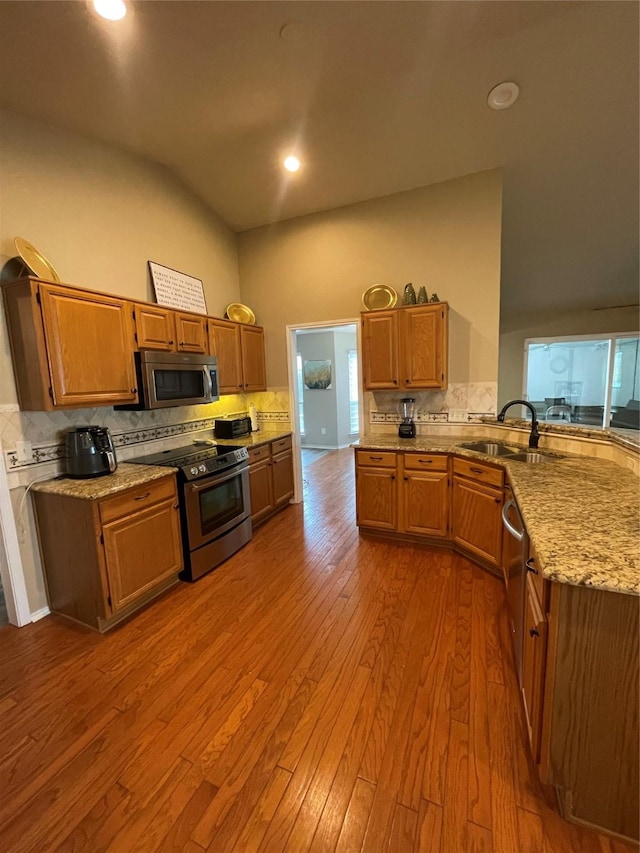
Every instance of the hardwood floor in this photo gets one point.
(317, 692)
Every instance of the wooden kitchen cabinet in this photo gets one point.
(406, 348)
(534, 650)
(71, 348)
(239, 350)
(476, 508)
(282, 470)
(425, 494)
(270, 478)
(105, 558)
(155, 327)
(376, 490)
(191, 332)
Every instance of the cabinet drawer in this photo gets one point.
(478, 472)
(281, 445)
(425, 462)
(258, 453)
(136, 499)
(376, 458)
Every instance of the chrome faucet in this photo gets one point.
(534, 435)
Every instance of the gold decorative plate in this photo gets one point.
(378, 297)
(35, 260)
(239, 313)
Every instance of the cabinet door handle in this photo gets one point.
(142, 497)
(534, 632)
(406, 381)
(531, 567)
(170, 343)
(498, 500)
(176, 506)
(395, 381)
(405, 479)
(425, 461)
(476, 470)
(393, 476)
(134, 390)
(375, 458)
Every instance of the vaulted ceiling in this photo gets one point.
(375, 98)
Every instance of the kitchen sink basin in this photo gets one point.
(534, 457)
(491, 448)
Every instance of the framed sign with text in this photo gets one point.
(175, 289)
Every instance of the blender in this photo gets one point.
(407, 428)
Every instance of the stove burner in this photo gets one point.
(195, 463)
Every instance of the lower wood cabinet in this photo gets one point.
(376, 490)
(534, 650)
(425, 494)
(103, 559)
(270, 478)
(476, 506)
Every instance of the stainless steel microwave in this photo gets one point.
(174, 379)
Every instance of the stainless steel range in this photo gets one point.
(215, 508)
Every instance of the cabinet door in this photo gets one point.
(426, 503)
(141, 551)
(476, 519)
(155, 328)
(260, 489)
(191, 333)
(376, 498)
(282, 470)
(423, 346)
(534, 653)
(224, 343)
(254, 374)
(89, 347)
(380, 350)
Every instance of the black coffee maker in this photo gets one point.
(407, 428)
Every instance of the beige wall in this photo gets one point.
(446, 237)
(511, 366)
(99, 215)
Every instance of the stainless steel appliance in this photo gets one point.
(407, 428)
(232, 427)
(174, 379)
(90, 452)
(515, 551)
(215, 507)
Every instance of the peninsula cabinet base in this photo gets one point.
(432, 542)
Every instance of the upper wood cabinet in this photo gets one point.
(406, 348)
(239, 350)
(71, 348)
(155, 327)
(191, 333)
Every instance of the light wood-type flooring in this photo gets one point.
(318, 692)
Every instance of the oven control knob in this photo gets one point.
(193, 470)
(202, 469)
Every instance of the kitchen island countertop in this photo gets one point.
(581, 513)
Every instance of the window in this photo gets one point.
(300, 394)
(354, 422)
(590, 381)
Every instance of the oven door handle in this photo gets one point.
(214, 480)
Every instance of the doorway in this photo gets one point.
(324, 383)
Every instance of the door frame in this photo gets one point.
(11, 573)
(292, 329)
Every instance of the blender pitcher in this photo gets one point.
(407, 428)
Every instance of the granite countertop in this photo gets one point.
(254, 439)
(581, 513)
(125, 476)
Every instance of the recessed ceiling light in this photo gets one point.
(503, 95)
(291, 164)
(112, 10)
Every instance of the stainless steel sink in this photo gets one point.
(491, 448)
(534, 457)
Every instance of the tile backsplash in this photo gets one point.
(44, 431)
(460, 403)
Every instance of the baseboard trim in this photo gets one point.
(40, 614)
